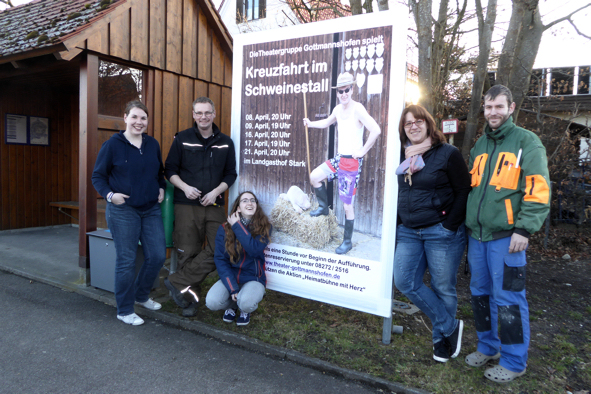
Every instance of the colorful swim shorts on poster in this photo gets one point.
(347, 170)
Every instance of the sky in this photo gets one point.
(561, 46)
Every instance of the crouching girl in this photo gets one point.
(240, 261)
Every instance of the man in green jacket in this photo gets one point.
(509, 201)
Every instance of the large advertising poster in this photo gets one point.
(315, 115)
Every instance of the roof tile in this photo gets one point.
(42, 23)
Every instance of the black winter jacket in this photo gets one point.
(439, 191)
(201, 163)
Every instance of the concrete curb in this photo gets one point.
(229, 337)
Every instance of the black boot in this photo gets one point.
(322, 198)
(191, 310)
(347, 245)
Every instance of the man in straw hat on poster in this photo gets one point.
(352, 119)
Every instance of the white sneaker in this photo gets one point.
(132, 319)
(150, 304)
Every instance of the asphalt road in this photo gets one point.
(53, 341)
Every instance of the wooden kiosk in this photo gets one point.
(72, 65)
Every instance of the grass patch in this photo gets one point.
(465, 311)
(575, 315)
(352, 340)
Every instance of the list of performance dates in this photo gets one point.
(267, 140)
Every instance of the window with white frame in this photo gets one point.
(250, 10)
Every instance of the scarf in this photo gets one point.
(245, 221)
(414, 159)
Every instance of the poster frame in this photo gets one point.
(398, 21)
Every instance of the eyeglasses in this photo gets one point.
(247, 200)
(343, 91)
(202, 114)
(418, 122)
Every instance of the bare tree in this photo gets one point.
(315, 10)
(437, 39)
(422, 14)
(383, 5)
(356, 7)
(485, 30)
(521, 46)
(7, 2)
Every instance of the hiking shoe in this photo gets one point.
(501, 374)
(150, 304)
(455, 340)
(177, 296)
(132, 319)
(229, 315)
(441, 351)
(243, 319)
(191, 310)
(478, 359)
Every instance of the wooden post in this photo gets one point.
(88, 145)
(307, 142)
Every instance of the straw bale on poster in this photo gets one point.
(314, 231)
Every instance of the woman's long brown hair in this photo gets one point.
(259, 225)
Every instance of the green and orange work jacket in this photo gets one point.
(507, 196)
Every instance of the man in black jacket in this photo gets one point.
(201, 165)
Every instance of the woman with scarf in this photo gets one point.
(240, 261)
(433, 187)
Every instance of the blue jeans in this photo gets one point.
(498, 298)
(440, 250)
(128, 226)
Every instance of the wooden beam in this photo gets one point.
(212, 15)
(19, 65)
(33, 66)
(67, 55)
(148, 93)
(88, 141)
(33, 53)
(110, 122)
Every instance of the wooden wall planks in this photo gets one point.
(99, 42)
(157, 110)
(226, 105)
(120, 40)
(158, 33)
(189, 65)
(204, 48)
(176, 38)
(33, 176)
(174, 43)
(186, 98)
(170, 105)
(217, 61)
(174, 35)
(140, 44)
